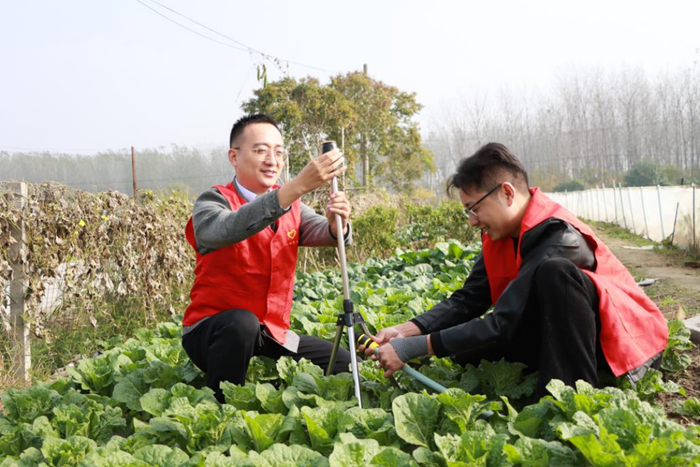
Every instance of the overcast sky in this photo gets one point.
(83, 76)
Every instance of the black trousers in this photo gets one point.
(559, 334)
(223, 345)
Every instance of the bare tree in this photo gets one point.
(593, 125)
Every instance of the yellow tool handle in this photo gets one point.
(366, 341)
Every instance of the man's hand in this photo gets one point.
(382, 337)
(406, 329)
(319, 171)
(340, 205)
(388, 359)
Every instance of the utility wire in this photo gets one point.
(192, 30)
(207, 28)
(246, 47)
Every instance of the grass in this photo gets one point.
(7, 377)
(615, 231)
(669, 297)
(676, 255)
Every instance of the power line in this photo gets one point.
(192, 30)
(246, 48)
(206, 27)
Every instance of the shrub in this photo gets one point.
(374, 231)
(423, 226)
(645, 173)
(570, 185)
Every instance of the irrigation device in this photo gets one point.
(367, 342)
(434, 385)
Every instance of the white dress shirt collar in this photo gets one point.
(247, 194)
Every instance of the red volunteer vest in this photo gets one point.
(632, 328)
(256, 274)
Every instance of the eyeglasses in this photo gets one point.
(470, 211)
(263, 151)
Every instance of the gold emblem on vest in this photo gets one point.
(292, 233)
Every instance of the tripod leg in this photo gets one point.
(355, 369)
(334, 351)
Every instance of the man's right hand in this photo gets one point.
(406, 329)
(318, 172)
(386, 334)
(321, 170)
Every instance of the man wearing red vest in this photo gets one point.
(246, 236)
(562, 303)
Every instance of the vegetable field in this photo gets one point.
(141, 402)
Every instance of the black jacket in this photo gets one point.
(455, 324)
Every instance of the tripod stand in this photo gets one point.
(348, 318)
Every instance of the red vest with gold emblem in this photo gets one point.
(256, 274)
(632, 328)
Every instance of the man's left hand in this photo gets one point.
(388, 359)
(340, 205)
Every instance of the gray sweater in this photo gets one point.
(217, 226)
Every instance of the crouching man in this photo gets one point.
(563, 303)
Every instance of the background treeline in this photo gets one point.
(593, 127)
(589, 129)
(183, 168)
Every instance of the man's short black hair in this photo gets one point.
(492, 164)
(244, 121)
